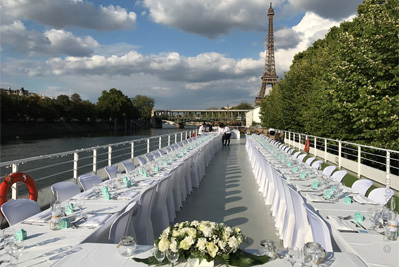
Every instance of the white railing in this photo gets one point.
(378, 164)
(49, 169)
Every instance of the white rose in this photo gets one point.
(207, 232)
(163, 245)
(233, 243)
(174, 245)
(212, 249)
(221, 244)
(194, 223)
(201, 244)
(192, 232)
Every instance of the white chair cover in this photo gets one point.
(120, 227)
(111, 171)
(150, 157)
(301, 157)
(361, 186)
(87, 181)
(320, 231)
(317, 164)
(159, 215)
(329, 170)
(128, 165)
(381, 195)
(142, 160)
(162, 153)
(143, 225)
(156, 154)
(310, 160)
(65, 190)
(339, 175)
(19, 209)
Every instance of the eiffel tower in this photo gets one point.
(269, 78)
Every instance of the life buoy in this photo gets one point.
(307, 146)
(14, 178)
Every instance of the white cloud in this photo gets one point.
(61, 14)
(52, 42)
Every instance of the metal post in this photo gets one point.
(76, 159)
(181, 136)
(340, 155)
(359, 162)
(388, 177)
(169, 140)
(326, 150)
(14, 188)
(315, 146)
(175, 138)
(159, 142)
(95, 161)
(305, 143)
(148, 145)
(109, 155)
(299, 142)
(132, 150)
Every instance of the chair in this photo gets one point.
(381, 195)
(143, 225)
(120, 227)
(339, 175)
(317, 164)
(156, 154)
(295, 155)
(320, 231)
(309, 161)
(65, 190)
(162, 153)
(128, 165)
(87, 181)
(361, 186)
(111, 171)
(142, 160)
(168, 149)
(150, 157)
(159, 216)
(301, 157)
(328, 170)
(19, 209)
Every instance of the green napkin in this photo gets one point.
(315, 185)
(347, 200)
(65, 223)
(328, 194)
(359, 217)
(20, 235)
(107, 196)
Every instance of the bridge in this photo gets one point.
(181, 117)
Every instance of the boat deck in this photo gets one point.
(229, 194)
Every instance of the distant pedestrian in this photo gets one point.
(221, 131)
(202, 129)
(227, 136)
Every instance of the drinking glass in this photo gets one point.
(373, 216)
(292, 256)
(172, 256)
(17, 248)
(8, 246)
(159, 255)
(80, 203)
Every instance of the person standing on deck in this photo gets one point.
(202, 129)
(221, 132)
(227, 134)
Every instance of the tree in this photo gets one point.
(143, 106)
(114, 105)
(243, 105)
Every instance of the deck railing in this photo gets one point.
(378, 164)
(49, 169)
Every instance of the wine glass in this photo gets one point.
(172, 256)
(292, 256)
(80, 203)
(8, 245)
(17, 248)
(159, 255)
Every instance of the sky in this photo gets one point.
(186, 54)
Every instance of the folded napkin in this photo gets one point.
(304, 188)
(85, 194)
(97, 220)
(43, 216)
(316, 198)
(147, 182)
(128, 195)
(339, 224)
(363, 200)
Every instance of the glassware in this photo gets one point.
(172, 256)
(159, 255)
(127, 245)
(313, 254)
(17, 248)
(292, 256)
(80, 203)
(267, 247)
(56, 212)
(8, 243)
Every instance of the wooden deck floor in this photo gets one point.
(229, 194)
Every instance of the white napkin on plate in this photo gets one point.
(97, 220)
(43, 216)
(339, 224)
(85, 194)
(147, 182)
(316, 198)
(128, 195)
(363, 200)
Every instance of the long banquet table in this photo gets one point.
(371, 246)
(45, 247)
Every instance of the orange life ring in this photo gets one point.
(17, 177)
(307, 146)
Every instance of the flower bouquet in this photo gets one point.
(205, 240)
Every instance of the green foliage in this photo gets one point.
(243, 105)
(143, 106)
(344, 86)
